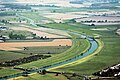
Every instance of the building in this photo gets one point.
(3, 28)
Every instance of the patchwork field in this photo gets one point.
(107, 20)
(37, 32)
(63, 16)
(34, 28)
(15, 45)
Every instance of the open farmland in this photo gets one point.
(15, 45)
(63, 16)
(101, 20)
(49, 42)
(37, 32)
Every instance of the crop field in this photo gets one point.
(79, 38)
(6, 56)
(37, 32)
(105, 58)
(44, 50)
(16, 45)
(36, 17)
(44, 77)
(8, 71)
(82, 44)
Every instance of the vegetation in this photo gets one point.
(44, 50)
(107, 57)
(7, 56)
(82, 44)
(8, 71)
(23, 60)
(43, 77)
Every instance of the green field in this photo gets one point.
(108, 56)
(8, 71)
(6, 56)
(8, 32)
(43, 77)
(36, 17)
(44, 50)
(82, 44)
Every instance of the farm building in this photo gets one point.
(3, 28)
(4, 38)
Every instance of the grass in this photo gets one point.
(6, 56)
(42, 77)
(107, 57)
(100, 43)
(36, 17)
(8, 71)
(7, 32)
(85, 29)
(45, 50)
(72, 28)
(82, 44)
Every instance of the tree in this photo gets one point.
(43, 72)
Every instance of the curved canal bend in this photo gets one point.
(93, 47)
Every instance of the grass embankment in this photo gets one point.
(8, 71)
(45, 50)
(107, 57)
(6, 56)
(41, 77)
(72, 28)
(100, 43)
(79, 45)
(36, 17)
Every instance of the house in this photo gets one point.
(4, 38)
(3, 28)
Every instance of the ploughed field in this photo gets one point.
(19, 45)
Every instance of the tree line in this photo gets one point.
(23, 60)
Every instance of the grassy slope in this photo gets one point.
(35, 17)
(107, 57)
(43, 77)
(45, 50)
(5, 55)
(8, 71)
(79, 45)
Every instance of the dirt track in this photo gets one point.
(20, 45)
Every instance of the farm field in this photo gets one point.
(83, 44)
(44, 50)
(8, 71)
(6, 56)
(105, 58)
(38, 33)
(79, 40)
(45, 77)
(16, 45)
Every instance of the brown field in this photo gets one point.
(62, 16)
(19, 45)
(101, 18)
(49, 30)
(37, 32)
